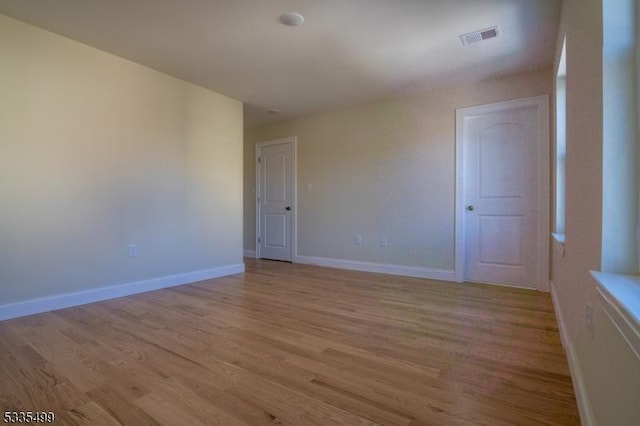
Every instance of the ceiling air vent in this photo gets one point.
(481, 35)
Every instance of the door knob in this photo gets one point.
(470, 207)
(288, 208)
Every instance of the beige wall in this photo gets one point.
(604, 365)
(98, 152)
(384, 168)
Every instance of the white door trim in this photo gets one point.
(544, 191)
(293, 140)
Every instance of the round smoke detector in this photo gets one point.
(291, 19)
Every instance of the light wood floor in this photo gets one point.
(295, 345)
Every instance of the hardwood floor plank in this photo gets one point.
(92, 413)
(295, 345)
(120, 408)
(166, 413)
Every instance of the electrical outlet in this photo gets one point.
(384, 241)
(358, 239)
(589, 320)
(133, 250)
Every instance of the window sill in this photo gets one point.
(558, 243)
(621, 294)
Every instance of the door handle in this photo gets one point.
(288, 208)
(470, 207)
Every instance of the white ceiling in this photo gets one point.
(346, 52)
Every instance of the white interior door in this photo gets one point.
(500, 179)
(275, 200)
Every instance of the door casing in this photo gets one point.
(293, 140)
(544, 190)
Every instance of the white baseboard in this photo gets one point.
(582, 398)
(250, 253)
(67, 300)
(407, 271)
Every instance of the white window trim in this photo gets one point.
(620, 293)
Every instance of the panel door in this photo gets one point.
(275, 198)
(500, 192)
